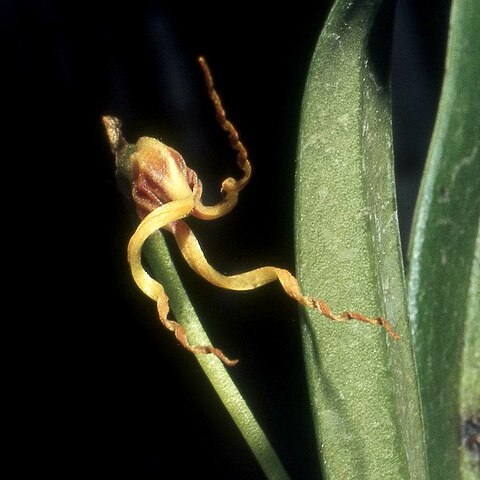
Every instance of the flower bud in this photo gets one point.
(159, 175)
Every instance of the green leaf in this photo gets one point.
(363, 384)
(444, 285)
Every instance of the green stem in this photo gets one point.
(161, 264)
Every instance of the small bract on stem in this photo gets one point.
(165, 191)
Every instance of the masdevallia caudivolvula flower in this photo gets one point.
(165, 191)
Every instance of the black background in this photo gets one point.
(116, 394)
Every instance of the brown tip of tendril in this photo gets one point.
(181, 336)
(229, 185)
(209, 349)
(206, 71)
(388, 327)
(227, 361)
(345, 316)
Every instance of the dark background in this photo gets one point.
(122, 397)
